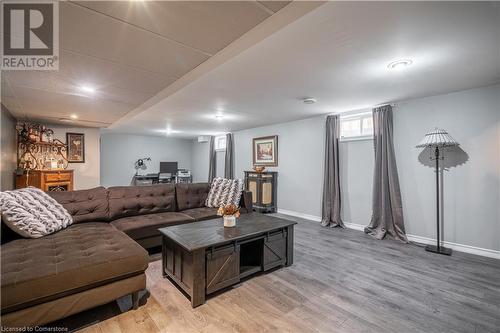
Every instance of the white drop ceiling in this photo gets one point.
(128, 51)
(337, 53)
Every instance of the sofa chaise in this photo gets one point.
(101, 256)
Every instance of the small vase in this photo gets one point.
(229, 221)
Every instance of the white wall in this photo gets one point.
(119, 152)
(86, 175)
(8, 144)
(472, 198)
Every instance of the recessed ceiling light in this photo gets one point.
(400, 64)
(219, 116)
(73, 116)
(169, 131)
(87, 89)
(309, 100)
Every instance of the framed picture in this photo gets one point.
(265, 151)
(76, 147)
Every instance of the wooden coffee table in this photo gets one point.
(204, 257)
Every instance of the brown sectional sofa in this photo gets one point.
(99, 258)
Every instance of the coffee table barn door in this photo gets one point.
(223, 267)
(275, 249)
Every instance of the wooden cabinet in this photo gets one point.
(47, 180)
(263, 186)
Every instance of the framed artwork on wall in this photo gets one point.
(265, 151)
(76, 147)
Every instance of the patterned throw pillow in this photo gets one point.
(224, 192)
(32, 213)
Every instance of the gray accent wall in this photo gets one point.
(300, 161)
(119, 152)
(8, 144)
(471, 190)
(356, 180)
(199, 161)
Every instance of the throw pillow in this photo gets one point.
(224, 192)
(32, 213)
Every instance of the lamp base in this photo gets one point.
(442, 250)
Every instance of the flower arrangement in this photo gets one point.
(229, 210)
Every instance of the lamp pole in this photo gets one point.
(436, 154)
(438, 248)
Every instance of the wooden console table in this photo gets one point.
(204, 257)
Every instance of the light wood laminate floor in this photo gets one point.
(342, 281)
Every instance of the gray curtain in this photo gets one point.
(229, 163)
(330, 215)
(212, 160)
(387, 210)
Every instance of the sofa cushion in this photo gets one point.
(191, 195)
(144, 226)
(78, 258)
(32, 213)
(127, 201)
(84, 205)
(202, 213)
(224, 192)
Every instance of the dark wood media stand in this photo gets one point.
(204, 257)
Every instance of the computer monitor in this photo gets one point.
(168, 167)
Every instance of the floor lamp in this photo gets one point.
(436, 140)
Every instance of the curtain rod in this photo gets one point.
(368, 109)
(384, 104)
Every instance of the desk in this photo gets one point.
(154, 178)
(151, 178)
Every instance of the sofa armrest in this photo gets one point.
(246, 202)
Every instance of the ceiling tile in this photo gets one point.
(103, 73)
(205, 25)
(109, 39)
(38, 103)
(275, 5)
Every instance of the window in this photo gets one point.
(356, 126)
(220, 142)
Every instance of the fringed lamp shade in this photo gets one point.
(438, 137)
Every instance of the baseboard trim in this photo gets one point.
(311, 218)
(413, 238)
(457, 247)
